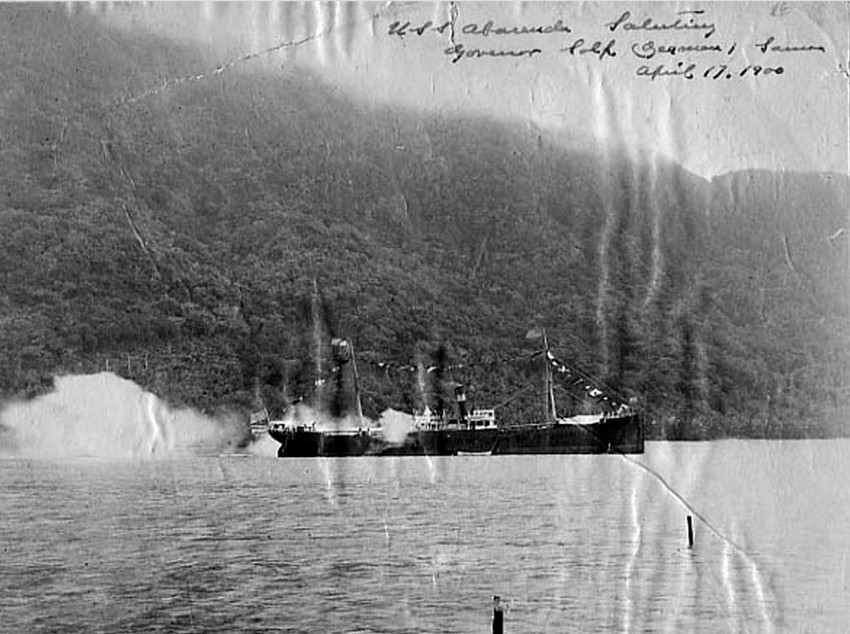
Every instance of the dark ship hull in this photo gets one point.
(620, 434)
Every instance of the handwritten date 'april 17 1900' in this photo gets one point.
(683, 70)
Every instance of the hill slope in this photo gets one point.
(178, 237)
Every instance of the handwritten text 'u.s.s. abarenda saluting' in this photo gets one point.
(685, 45)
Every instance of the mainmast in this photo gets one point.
(549, 411)
(317, 342)
(356, 384)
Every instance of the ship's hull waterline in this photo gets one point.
(621, 434)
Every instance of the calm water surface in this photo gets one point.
(571, 543)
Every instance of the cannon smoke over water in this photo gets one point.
(394, 424)
(106, 417)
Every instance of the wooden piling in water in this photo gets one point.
(498, 616)
(690, 532)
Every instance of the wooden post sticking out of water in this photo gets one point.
(498, 616)
(690, 532)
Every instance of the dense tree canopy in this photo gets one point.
(179, 239)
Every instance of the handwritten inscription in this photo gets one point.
(400, 29)
(487, 29)
(649, 49)
(598, 49)
(720, 71)
(656, 47)
(459, 52)
(684, 21)
(490, 29)
(768, 45)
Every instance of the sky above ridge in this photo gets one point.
(716, 87)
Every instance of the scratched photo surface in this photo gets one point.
(426, 318)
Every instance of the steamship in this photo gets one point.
(617, 428)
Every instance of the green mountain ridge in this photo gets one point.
(178, 234)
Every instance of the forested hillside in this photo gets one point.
(178, 236)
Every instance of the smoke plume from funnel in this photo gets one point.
(104, 416)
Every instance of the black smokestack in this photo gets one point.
(341, 354)
(460, 396)
(440, 363)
